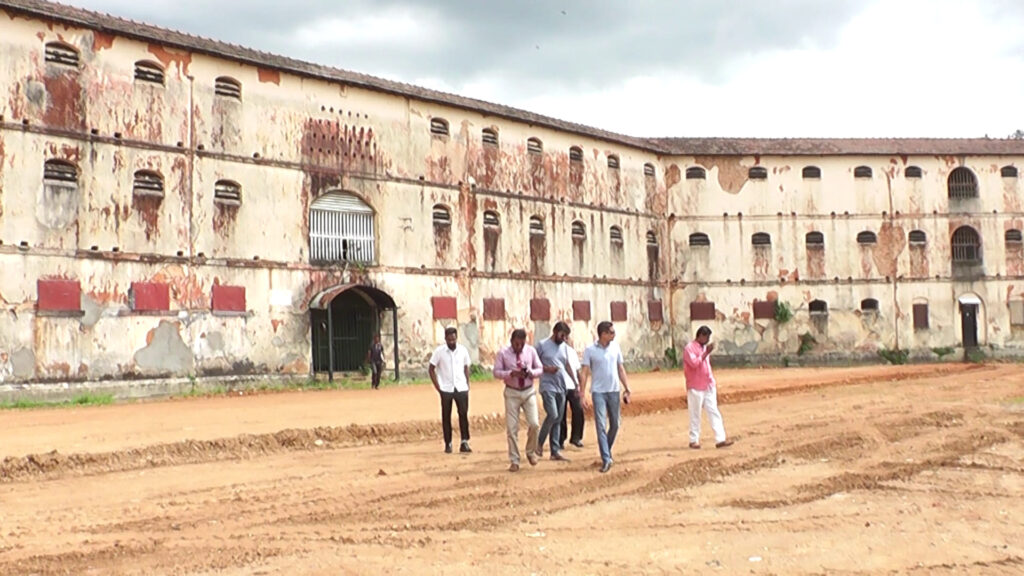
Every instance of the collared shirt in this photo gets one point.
(377, 353)
(697, 368)
(450, 366)
(508, 361)
(573, 367)
(552, 354)
(604, 362)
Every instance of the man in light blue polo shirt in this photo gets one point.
(602, 363)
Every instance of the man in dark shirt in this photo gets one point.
(376, 358)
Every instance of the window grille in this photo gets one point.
(341, 229)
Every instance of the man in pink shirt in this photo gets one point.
(700, 388)
(518, 364)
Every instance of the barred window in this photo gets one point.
(966, 245)
(613, 162)
(962, 184)
(227, 87)
(912, 172)
(615, 234)
(1013, 236)
(696, 173)
(534, 146)
(652, 238)
(536, 226)
(438, 127)
(341, 229)
(151, 72)
(227, 192)
(489, 137)
(867, 237)
(758, 173)
(576, 154)
(815, 240)
(812, 172)
(61, 53)
(491, 219)
(60, 171)
(649, 170)
(869, 305)
(761, 239)
(148, 183)
(917, 238)
(699, 239)
(817, 307)
(579, 230)
(441, 215)
(1008, 171)
(862, 172)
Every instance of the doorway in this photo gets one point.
(343, 321)
(969, 324)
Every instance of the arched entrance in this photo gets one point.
(972, 320)
(344, 320)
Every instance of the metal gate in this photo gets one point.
(354, 322)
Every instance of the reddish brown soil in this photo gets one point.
(870, 470)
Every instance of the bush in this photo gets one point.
(783, 313)
(976, 355)
(943, 351)
(807, 343)
(671, 357)
(896, 356)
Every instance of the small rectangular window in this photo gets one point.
(226, 192)
(649, 170)
(702, 310)
(581, 310)
(696, 173)
(494, 309)
(228, 87)
(920, 316)
(58, 53)
(758, 173)
(764, 309)
(575, 154)
(439, 127)
(534, 146)
(489, 137)
(613, 162)
(912, 172)
(619, 311)
(149, 72)
(444, 307)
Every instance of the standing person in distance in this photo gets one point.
(701, 390)
(603, 364)
(375, 356)
(449, 371)
(572, 399)
(552, 388)
(518, 364)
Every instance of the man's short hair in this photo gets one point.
(562, 327)
(519, 334)
(604, 327)
(451, 330)
(703, 331)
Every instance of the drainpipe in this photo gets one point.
(394, 331)
(330, 343)
(191, 155)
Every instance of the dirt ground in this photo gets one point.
(871, 470)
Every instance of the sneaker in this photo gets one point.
(448, 448)
(724, 444)
(464, 448)
(558, 457)
(606, 467)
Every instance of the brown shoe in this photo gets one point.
(558, 456)
(532, 458)
(695, 445)
(514, 467)
(724, 444)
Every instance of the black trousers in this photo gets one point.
(572, 400)
(462, 404)
(376, 368)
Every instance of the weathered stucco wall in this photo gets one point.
(611, 224)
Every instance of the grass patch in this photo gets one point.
(84, 399)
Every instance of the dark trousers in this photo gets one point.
(572, 400)
(376, 368)
(462, 403)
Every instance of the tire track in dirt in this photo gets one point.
(54, 465)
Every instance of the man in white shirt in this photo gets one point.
(572, 399)
(449, 371)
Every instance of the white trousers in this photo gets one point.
(708, 400)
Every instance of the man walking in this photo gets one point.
(518, 364)
(603, 364)
(449, 371)
(376, 358)
(552, 388)
(700, 388)
(572, 399)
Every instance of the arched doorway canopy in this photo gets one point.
(343, 319)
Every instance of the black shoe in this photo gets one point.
(448, 448)
(577, 443)
(464, 448)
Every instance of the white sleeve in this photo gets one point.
(435, 357)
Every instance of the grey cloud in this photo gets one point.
(532, 44)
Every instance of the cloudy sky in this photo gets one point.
(763, 68)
